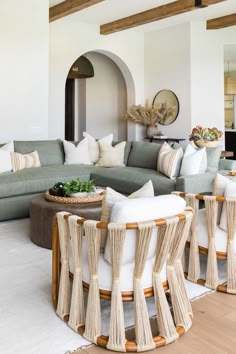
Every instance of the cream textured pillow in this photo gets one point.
(93, 145)
(169, 160)
(5, 157)
(111, 156)
(194, 161)
(77, 154)
(22, 161)
(111, 197)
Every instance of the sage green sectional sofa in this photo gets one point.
(17, 189)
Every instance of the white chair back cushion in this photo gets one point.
(138, 210)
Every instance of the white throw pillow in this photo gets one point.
(93, 145)
(111, 156)
(169, 160)
(230, 191)
(194, 161)
(111, 197)
(77, 154)
(22, 161)
(5, 157)
(138, 210)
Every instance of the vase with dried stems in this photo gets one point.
(145, 115)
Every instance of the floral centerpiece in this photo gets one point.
(209, 137)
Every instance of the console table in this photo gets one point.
(177, 140)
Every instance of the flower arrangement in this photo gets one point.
(144, 115)
(205, 134)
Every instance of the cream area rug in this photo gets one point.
(28, 323)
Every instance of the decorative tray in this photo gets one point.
(96, 197)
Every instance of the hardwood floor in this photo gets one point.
(213, 330)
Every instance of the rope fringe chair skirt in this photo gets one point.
(209, 238)
(76, 245)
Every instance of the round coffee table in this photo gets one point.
(42, 212)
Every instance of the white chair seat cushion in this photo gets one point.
(105, 272)
(220, 235)
(138, 210)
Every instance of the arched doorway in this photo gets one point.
(96, 103)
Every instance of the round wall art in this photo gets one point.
(168, 106)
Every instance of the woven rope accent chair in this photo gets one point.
(208, 238)
(77, 261)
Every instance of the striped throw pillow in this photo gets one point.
(22, 161)
(169, 160)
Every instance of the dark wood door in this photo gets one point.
(70, 110)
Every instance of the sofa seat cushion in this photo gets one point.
(105, 272)
(50, 151)
(37, 180)
(128, 179)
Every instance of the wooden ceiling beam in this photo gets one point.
(221, 22)
(68, 7)
(155, 14)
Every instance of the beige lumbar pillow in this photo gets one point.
(111, 197)
(111, 156)
(93, 145)
(169, 160)
(22, 161)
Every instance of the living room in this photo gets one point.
(177, 53)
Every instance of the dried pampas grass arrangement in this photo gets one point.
(144, 115)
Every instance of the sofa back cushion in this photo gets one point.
(144, 155)
(213, 158)
(50, 152)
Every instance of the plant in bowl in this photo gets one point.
(78, 188)
(209, 137)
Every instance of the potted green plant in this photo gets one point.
(209, 137)
(78, 188)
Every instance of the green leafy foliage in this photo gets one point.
(76, 185)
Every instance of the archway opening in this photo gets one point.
(96, 104)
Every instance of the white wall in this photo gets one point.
(189, 60)
(167, 66)
(69, 40)
(106, 99)
(23, 69)
(207, 77)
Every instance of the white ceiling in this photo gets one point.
(110, 10)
